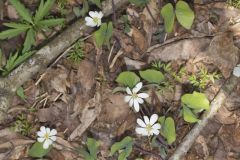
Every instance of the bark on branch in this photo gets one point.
(43, 57)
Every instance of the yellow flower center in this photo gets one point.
(149, 128)
(46, 136)
(95, 19)
(134, 95)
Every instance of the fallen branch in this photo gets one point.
(43, 57)
(217, 102)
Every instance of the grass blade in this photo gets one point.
(22, 10)
(43, 10)
(30, 40)
(51, 22)
(11, 33)
(17, 25)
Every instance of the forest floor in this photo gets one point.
(77, 94)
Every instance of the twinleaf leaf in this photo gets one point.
(184, 14)
(43, 10)
(96, 2)
(23, 12)
(195, 101)
(189, 116)
(126, 152)
(103, 34)
(168, 129)
(121, 145)
(127, 78)
(169, 16)
(152, 76)
(37, 150)
(139, 3)
(93, 147)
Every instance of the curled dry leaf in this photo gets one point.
(139, 39)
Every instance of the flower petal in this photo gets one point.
(140, 100)
(90, 22)
(47, 143)
(156, 126)
(100, 15)
(136, 105)
(155, 131)
(43, 129)
(93, 14)
(141, 123)
(40, 139)
(143, 95)
(153, 119)
(53, 132)
(137, 87)
(131, 102)
(236, 71)
(48, 131)
(128, 91)
(40, 134)
(53, 138)
(127, 98)
(141, 131)
(146, 120)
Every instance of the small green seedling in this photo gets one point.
(103, 35)
(183, 13)
(21, 94)
(30, 24)
(92, 149)
(76, 54)
(124, 148)
(21, 125)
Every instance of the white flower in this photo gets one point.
(236, 71)
(94, 19)
(46, 136)
(148, 127)
(133, 98)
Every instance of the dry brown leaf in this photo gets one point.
(224, 116)
(12, 13)
(223, 53)
(134, 64)
(139, 39)
(179, 50)
(89, 114)
(150, 23)
(86, 75)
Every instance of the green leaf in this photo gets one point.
(43, 10)
(23, 12)
(139, 3)
(96, 2)
(122, 144)
(169, 16)
(15, 60)
(81, 12)
(168, 129)
(86, 155)
(125, 153)
(195, 101)
(93, 147)
(11, 33)
(37, 150)
(29, 40)
(17, 25)
(152, 76)
(189, 116)
(51, 22)
(103, 34)
(20, 93)
(184, 14)
(108, 35)
(127, 78)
